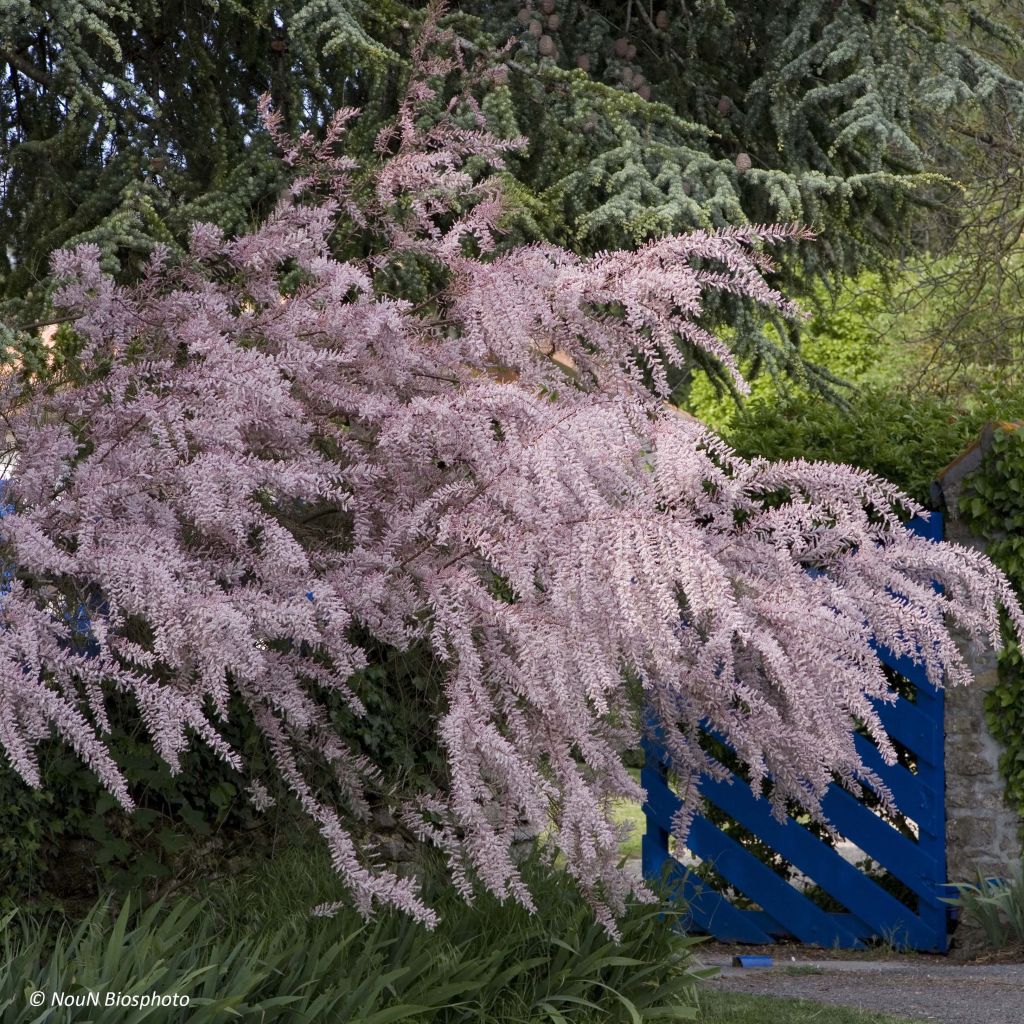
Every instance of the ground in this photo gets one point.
(915, 987)
(719, 1007)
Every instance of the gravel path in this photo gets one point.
(938, 991)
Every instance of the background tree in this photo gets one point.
(125, 121)
(962, 306)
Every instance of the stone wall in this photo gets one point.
(982, 830)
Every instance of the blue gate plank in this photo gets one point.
(866, 900)
(783, 902)
(932, 527)
(909, 726)
(841, 920)
(918, 802)
(905, 666)
(708, 910)
(902, 857)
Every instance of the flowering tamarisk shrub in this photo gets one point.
(245, 471)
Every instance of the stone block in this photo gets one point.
(965, 833)
(972, 764)
(982, 831)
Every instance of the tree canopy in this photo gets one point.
(125, 120)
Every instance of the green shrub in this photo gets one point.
(997, 905)
(62, 845)
(905, 438)
(248, 949)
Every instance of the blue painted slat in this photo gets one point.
(847, 921)
(916, 801)
(905, 666)
(767, 923)
(817, 860)
(932, 527)
(753, 878)
(928, 694)
(932, 825)
(916, 724)
(879, 840)
(932, 842)
(913, 728)
(708, 911)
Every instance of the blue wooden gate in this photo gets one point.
(917, 920)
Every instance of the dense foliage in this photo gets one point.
(247, 952)
(69, 840)
(122, 122)
(260, 456)
(904, 437)
(993, 506)
(996, 906)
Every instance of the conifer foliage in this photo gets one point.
(121, 121)
(263, 454)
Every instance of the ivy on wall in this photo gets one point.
(993, 507)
